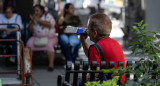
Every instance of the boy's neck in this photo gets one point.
(100, 37)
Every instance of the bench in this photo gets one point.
(64, 80)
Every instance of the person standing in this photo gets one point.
(92, 5)
(53, 7)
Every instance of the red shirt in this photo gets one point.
(112, 52)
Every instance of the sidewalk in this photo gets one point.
(44, 78)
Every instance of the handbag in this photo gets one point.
(40, 41)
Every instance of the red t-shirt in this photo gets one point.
(112, 52)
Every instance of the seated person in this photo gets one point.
(69, 42)
(42, 26)
(99, 29)
(9, 30)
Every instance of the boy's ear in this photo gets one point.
(95, 34)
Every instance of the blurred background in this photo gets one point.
(123, 14)
(126, 11)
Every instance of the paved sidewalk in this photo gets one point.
(44, 78)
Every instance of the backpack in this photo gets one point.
(99, 50)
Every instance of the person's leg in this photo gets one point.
(51, 52)
(64, 42)
(51, 56)
(13, 44)
(92, 10)
(13, 50)
(75, 43)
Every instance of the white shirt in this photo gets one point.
(15, 19)
(43, 31)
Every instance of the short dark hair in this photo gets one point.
(40, 7)
(101, 23)
(6, 7)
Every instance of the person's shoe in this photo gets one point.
(50, 69)
(10, 62)
(64, 66)
(12, 59)
(71, 68)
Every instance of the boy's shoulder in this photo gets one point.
(107, 40)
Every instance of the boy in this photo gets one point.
(99, 29)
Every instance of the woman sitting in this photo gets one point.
(44, 38)
(9, 31)
(69, 42)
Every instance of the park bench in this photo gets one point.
(65, 80)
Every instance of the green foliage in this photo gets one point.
(0, 82)
(112, 82)
(143, 45)
(119, 71)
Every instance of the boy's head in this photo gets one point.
(100, 25)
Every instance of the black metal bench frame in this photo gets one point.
(63, 80)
